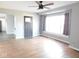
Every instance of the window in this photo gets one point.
(27, 20)
(55, 24)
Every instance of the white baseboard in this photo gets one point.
(73, 48)
(20, 37)
(36, 35)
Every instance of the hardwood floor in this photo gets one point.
(38, 47)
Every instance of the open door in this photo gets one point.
(28, 27)
(0, 26)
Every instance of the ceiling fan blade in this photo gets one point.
(46, 7)
(32, 6)
(48, 4)
(37, 2)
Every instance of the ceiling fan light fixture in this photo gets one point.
(41, 6)
(40, 1)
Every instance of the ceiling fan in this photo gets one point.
(41, 5)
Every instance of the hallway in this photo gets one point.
(4, 36)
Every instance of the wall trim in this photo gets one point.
(20, 37)
(73, 48)
(36, 35)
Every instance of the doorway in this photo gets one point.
(28, 28)
(0, 26)
(6, 27)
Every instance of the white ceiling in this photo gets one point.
(23, 5)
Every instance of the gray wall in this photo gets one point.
(73, 38)
(74, 35)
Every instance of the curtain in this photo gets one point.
(66, 24)
(0, 26)
(42, 23)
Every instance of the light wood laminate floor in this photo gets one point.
(38, 47)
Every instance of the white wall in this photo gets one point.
(9, 24)
(35, 25)
(19, 21)
(20, 25)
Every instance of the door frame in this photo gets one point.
(31, 23)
